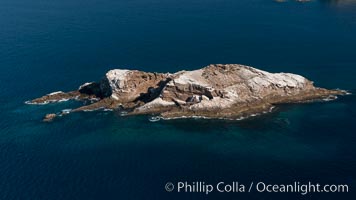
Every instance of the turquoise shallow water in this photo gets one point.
(55, 45)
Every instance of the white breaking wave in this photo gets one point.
(61, 100)
(330, 98)
(34, 103)
(46, 102)
(123, 113)
(66, 111)
(91, 110)
(221, 118)
(53, 93)
(154, 119)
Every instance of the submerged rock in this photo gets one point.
(49, 117)
(215, 91)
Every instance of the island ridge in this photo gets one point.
(229, 91)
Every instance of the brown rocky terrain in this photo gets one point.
(216, 91)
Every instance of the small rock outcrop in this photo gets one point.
(49, 117)
(215, 91)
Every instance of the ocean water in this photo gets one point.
(47, 46)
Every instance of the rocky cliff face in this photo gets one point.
(217, 91)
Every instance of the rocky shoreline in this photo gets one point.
(228, 91)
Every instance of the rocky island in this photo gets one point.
(229, 91)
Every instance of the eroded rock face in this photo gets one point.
(233, 83)
(132, 85)
(226, 91)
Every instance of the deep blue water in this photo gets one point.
(53, 45)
